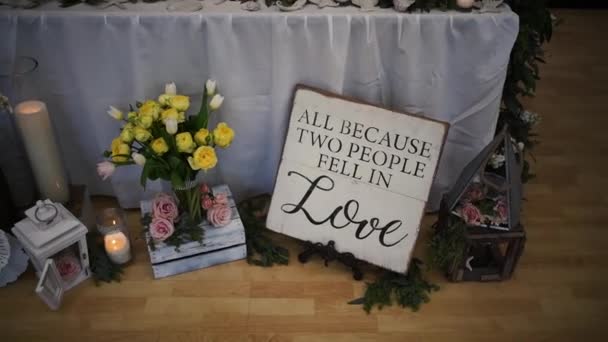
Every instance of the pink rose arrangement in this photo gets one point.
(164, 215)
(470, 214)
(68, 266)
(161, 229)
(480, 207)
(219, 213)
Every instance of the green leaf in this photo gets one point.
(176, 179)
(202, 118)
(143, 178)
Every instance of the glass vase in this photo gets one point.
(112, 224)
(189, 198)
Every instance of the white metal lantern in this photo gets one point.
(56, 243)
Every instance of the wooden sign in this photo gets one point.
(356, 174)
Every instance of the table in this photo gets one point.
(446, 65)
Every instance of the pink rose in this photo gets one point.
(164, 206)
(68, 266)
(502, 210)
(161, 229)
(470, 214)
(205, 189)
(206, 202)
(219, 215)
(474, 193)
(221, 198)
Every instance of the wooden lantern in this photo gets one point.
(52, 237)
(492, 249)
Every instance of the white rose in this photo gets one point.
(115, 113)
(171, 126)
(105, 169)
(216, 102)
(138, 158)
(170, 89)
(497, 160)
(210, 86)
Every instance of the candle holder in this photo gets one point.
(112, 224)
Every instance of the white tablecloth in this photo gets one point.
(447, 65)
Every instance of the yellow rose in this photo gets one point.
(164, 99)
(180, 102)
(184, 142)
(223, 135)
(181, 117)
(159, 146)
(131, 116)
(141, 134)
(146, 121)
(126, 135)
(150, 108)
(201, 136)
(120, 148)
(170, 113)
(203, 158)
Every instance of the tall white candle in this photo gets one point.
(32, 118)
(117, 247)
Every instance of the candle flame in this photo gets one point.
(113, 222)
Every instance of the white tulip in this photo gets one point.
(170, 88)
(216, 102)
(138, 158)
(210, 86)
(115, 113)
(171, 126)
(105, 169)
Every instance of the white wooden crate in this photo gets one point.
(220, 245)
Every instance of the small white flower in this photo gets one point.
(170, 88)
(497, 160)
(171, 126)
(520, 146)
(105, 169)
(530, 118)
(210, 86)
(216, 102)
(138, 158)
(115, 113)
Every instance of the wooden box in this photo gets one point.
(220, 245)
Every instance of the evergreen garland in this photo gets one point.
(102, 267)
(261, 250)
(447, 246)
(409, 290)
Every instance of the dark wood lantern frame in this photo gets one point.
(496, 252)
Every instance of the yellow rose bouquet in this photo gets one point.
(168, 143)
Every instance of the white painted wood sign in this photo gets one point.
(357, 174)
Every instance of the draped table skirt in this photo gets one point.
(449, 66)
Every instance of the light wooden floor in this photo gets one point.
(559, 292)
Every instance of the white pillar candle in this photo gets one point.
(32, 118)
(465, 3)
(117, 247)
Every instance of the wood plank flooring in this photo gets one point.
(559, 292)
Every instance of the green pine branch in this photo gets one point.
(406, 290)
(261, 250)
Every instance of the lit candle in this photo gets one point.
(465, 3)
(32, 118)
(118, 247)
